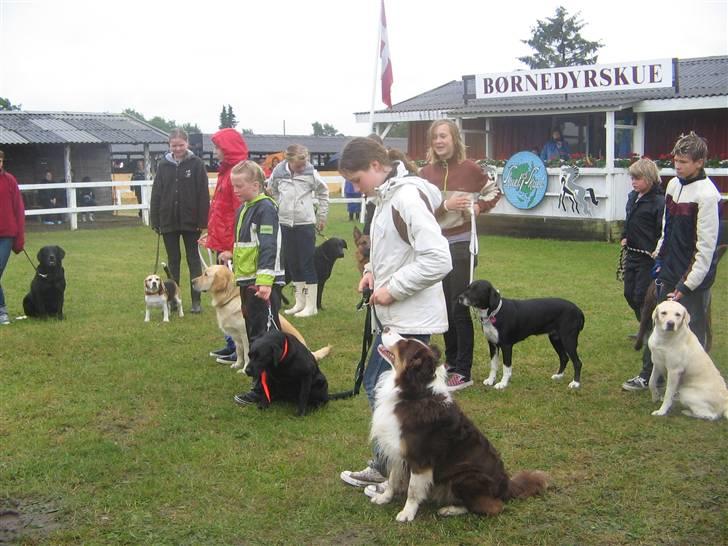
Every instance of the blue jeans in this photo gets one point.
(375, 368)
(6, 245)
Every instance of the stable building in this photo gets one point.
(607, 113)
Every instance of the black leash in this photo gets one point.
(366, 344)
(33, 265)
(156, 260)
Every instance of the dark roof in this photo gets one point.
(698, 77)
(265, 144)
(75, 127)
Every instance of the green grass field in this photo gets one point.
(113, 431)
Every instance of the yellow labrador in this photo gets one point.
(219, 281)
(677, 353)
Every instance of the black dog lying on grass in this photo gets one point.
(289, 372)
(323, 260)
(48, 287)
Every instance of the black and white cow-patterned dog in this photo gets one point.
(506, 322)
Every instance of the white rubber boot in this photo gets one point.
(298, 290)
(311, 291)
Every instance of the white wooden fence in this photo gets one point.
(610, 185)
(119, 188)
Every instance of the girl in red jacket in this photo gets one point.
(12, 226)
(230, 149)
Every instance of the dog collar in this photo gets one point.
(490, 317)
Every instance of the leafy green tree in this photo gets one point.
(557, 42)
(324, 130)
(399, 130)
(247, 132)
(6, 105)
(163, 124)
(133, 113)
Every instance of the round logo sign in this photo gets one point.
(525, 180)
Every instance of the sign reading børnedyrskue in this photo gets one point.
(576, 79)
(524, 180)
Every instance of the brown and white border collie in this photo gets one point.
(433, 449)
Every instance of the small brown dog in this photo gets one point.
(363, 245)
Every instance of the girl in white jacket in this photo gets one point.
(409, 257)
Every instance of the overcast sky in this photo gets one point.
(301, 61)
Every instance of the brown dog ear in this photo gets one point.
(357, 234)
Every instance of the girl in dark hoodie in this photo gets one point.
(179, 207)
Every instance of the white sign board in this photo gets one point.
(576, 79)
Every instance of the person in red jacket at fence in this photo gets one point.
(12, 226)
(230, 149)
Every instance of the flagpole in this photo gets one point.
(376, 71)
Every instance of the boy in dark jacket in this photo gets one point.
(256, 258)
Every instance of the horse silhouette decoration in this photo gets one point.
(577, 195)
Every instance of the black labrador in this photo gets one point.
(48, 287)
(323, 260)
(506, 322)
(287, 371)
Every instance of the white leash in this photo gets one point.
(473, 241)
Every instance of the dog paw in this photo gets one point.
(500, 386)
(489, 381)
(240, 371)
(659, 413)
(452, 511)
(380, 498)
(236, 366)
(574, 385)
(557, 377)
(404, 516)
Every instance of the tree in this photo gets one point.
(191, 128)
(163, 124)
(247, 132)
(227, 117)
(324, 130)
(557, 42)
(6, 105)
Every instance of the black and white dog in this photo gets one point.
(506, 322)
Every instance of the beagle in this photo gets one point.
(158, 293)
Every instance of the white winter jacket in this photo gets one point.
(411, 270)
(294, 195)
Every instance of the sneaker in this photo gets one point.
(225, 351)
(449, 368)
(4, 318)
(229, 359)
(196, 309)
(246, 399)
(368, 476)
(635, 384)
(376, 489)
(457, 382)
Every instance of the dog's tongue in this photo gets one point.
(385, 354)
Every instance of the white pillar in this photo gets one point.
(70, 192)
(609, 127)
(146, 190)
(488, 140)
(638, 135)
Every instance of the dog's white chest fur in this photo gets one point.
(491, 334)
(155, 300)
(386, 429)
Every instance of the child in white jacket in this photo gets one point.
(409, 258)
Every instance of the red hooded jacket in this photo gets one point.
(12, 211)
(221, 221)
